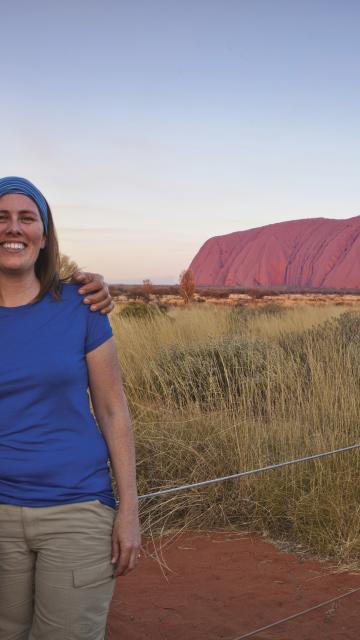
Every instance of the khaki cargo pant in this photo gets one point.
(56, 576)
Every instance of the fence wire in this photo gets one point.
(297, 615)
(243, 474)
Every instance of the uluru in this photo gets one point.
(310, 253)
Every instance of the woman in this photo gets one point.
(61, 540)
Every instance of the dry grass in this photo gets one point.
(215, 390)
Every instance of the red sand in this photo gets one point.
(223, 585)
(219, 586)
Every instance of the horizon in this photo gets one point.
(171, 282)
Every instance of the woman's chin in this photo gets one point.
(15, 266)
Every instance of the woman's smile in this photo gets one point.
(13, 246)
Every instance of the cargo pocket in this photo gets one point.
(97, 574)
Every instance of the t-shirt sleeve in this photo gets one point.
(98, 330)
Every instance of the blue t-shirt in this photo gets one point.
(52, 451)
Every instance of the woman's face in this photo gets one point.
(21, 233)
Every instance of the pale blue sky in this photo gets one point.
(153, 125)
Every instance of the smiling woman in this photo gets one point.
(58, 520)
(22, 237)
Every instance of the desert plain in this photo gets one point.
(228, 384)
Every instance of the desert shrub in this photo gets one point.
(241, 315)
(141, 311)
(163, 307)
(271, 309)
(244, 309)
(219, 371)
(138, 294)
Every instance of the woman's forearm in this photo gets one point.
(112, 413)
(118, 435)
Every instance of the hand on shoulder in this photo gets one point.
(95, 289)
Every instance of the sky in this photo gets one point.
(153, 125)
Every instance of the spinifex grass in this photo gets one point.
(216, 390)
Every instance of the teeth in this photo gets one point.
(13, 245)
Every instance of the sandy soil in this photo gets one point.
(218, 586)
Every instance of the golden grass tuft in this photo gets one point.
(217, 390)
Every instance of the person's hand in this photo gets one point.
(99, 297)
(126, 541)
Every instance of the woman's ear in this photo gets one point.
(43, 242)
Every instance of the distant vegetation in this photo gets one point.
(187, 286)
(138, 291)
(67, 267)
(220, 389)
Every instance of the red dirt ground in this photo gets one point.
(218, 586)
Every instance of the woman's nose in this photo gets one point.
(13, 226)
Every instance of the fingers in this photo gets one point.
(127, 560)
(89, 281)
(104, 306)
(124, 560)
(93, 283)
(115, 551)
(126, 540)
(134, 559)
(100, 301)
(108, 308)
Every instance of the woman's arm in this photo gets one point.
(111, 411)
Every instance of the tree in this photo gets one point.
(67, 266)
(187, 286)
(148, 287)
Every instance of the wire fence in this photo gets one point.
(297, 615)
(243, 474)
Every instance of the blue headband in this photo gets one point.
(12, 184)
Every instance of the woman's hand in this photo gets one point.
(125, 541)
(93, 284)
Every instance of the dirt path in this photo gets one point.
(218, 586)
